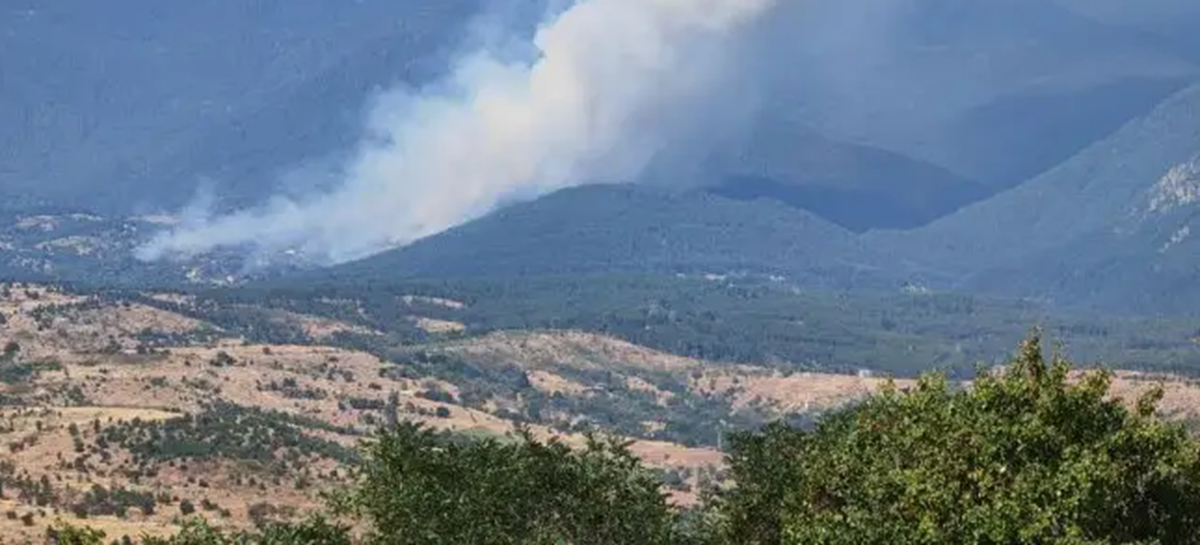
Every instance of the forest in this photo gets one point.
(745, 319)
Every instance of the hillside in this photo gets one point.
(919, 77)
(135, 413)
(1145, 262)
(132, 410)
(1093, 191)
(128, 107)
(266, 101)
(616, 229)
(740, 319)
(855, 186)
(61, 246)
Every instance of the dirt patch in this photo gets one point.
(570, 349)
(321, 329)
(798, 392)
(552, 383)
(438, 327)
(1181, 396)
(410, 300)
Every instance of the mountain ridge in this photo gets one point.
(1048, 211)
(615, 228)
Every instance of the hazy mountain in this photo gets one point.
(1145, 261)
(1014, 138)
(130, 105)
(602, 229)
(1173, 21)
(858, 187)
(933, 79)
(1018, 133)
(1086, 194)
(115, 105)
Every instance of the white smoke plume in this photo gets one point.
(610, 83)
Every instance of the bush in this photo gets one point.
(1023, 456)
(418, 487)
(65, 534)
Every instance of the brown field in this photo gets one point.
(570, 349)
(320, 329)
(789, 393)
(96, 375)
(123, 385)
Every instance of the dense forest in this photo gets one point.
(1025, 455)
(733, 318)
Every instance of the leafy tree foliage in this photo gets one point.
(65, 534)
(197, 531)
(222, 431)
(736, 318)
(418, 488)
(1025, 455)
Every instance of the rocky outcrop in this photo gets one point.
(1179, 187)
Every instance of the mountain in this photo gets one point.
(855, 186)
(1088, 193)
(999, 135)
(605, 229)
(130, 105)
(1013, 139)
(952, 81)
(1144, 262)
(1173, 21)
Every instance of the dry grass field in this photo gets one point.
(91, 412)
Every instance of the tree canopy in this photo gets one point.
(416, 487)
(1028, 454)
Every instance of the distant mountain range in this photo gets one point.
(130, 106)
(1030, 148)
(1110, 227)
(1096, 190)
(602, 229)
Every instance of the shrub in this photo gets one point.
(1022, 456)
(418, 487)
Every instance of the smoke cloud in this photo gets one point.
(607, 88)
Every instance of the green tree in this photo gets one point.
(315, 531)
(196, 531)
(417, 487)
(1023, 455)
(62, 533)
(765, 466)
(11, 350)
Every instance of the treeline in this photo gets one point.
(736, 319)
(1025, 456)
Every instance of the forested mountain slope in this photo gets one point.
(606, 229)
(1092, 191)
